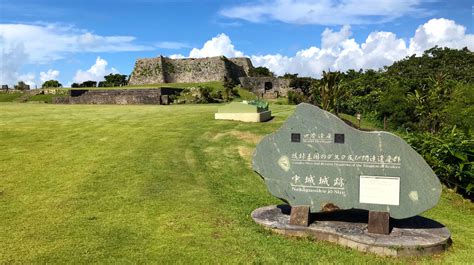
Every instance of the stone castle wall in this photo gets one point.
(191, 70)
(266, 87)
(158, 96)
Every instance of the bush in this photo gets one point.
(450, 154)
(295, 97)
(261, 72)
(51, 83)
(199, 95)
(89, 83)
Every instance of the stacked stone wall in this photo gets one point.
(191, 70)
(120, 97)
(266, 87)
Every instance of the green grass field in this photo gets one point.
(155, 184)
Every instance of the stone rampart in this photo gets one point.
(190, 70)
(159, 96)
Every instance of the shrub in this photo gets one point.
(295, 97)
(51, 83)
(450, 154)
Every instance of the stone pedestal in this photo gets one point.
(409, 237)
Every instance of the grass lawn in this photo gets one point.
(155, 184)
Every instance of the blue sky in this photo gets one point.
(77, 40)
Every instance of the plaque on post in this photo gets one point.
(356, 184)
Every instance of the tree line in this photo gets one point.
(110, 80)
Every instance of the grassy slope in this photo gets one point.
(9, 97)
(154, 183)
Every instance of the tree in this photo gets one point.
(289, 76)
(394, 105)
(330, 91)
(115, 80)
(229, 85)
(429, 102)
(303, 83)
(459, 110)
(51, 83)
(22, 86)
(261, 72)
(75, 85)
(89, 84)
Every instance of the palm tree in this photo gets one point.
(330, 91)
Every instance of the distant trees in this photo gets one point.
(22, 86)
(261, 72)
(111, 80)
(51, 83)
(114, 80)
(89, 83)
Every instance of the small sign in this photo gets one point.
(339, 138)
(358, 116)
(295, 137)
(379, 190)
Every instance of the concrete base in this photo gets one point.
(408, 237)
(247, 117)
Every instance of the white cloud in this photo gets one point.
(340, 52)
(325, 12)
(11, 62)
(442, 32)
(177, 56)
(49, 75)
(217, 46)
(44, 43)
(22, 44)
(95, 73)
(29, 79)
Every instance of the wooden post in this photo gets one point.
(379, 223)
(384, 122)
(299, 215)
(359, 117)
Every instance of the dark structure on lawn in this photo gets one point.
(158, 96)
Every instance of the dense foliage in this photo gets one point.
(113, 80)
(51, 84)
(429, 99)
(205, 94)
(450, 154)
(260, 72)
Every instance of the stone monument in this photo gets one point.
(317, 163)
(247, 111)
